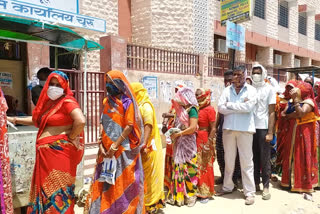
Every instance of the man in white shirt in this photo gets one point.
(237, 104)
(264, 118)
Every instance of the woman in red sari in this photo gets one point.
(299, 159)
(58, 151)
(6, 206)
(205, 145)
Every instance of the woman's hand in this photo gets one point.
(12, 120)
(269, 138)
(294, 93)
(174, 136)
(111, 152)
(75, 142)
(102, 150)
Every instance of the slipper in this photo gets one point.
(223, 192)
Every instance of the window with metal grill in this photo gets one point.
(317, 31)
(259, 8)
(283, 17)
(303, 23)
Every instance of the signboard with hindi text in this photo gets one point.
(65, 5)
(51, 15)
(235, 10)
(235, 36)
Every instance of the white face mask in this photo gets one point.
(41, 82)
(54, 92)
(257, 78)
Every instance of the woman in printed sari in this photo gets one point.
(151, 154)
(6, 206)
(183, 186)
(299, 161)
(121, 137)
(206, 145)
(168, 122)
(58, 151)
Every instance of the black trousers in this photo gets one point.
(261, 157)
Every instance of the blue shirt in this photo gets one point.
(238, 109)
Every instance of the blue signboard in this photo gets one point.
(236, 36)
(53, 15)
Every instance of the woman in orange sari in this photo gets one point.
(60, 122)
(121, 134)
(206, 145)
(299, 159)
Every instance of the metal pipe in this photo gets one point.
(56, 58)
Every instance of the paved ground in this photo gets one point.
(281, 202)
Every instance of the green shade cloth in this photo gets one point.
(25, 29)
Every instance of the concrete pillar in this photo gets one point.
(305, 61)
(288, 60)
(114, 54)
(38, 57)
(265, 56)
(203, 68)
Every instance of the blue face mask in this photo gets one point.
(112, 89)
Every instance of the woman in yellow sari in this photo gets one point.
(152, 156)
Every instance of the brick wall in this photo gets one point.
(107, 10)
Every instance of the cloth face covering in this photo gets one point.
(54, 92)
(112, 89)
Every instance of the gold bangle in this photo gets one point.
(114, 149)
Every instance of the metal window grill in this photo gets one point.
(159, 60)
(303, 23)
(259, 8)
(219, 63)
(317, 31)
(283, 14)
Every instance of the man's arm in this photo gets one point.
(222, 108)
(271, 122)
(245, 107)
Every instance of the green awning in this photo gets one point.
(25, 29)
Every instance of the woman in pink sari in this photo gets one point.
(183, 186)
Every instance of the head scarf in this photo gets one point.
(306, 92)
(142, 98)
(264, 76)
(293, 84)
(183, 100)
(123, 85)
(204, 99)
(41, 106)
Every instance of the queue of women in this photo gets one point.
(129, 174)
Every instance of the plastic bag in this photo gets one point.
(169, 133)
(108, 172)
